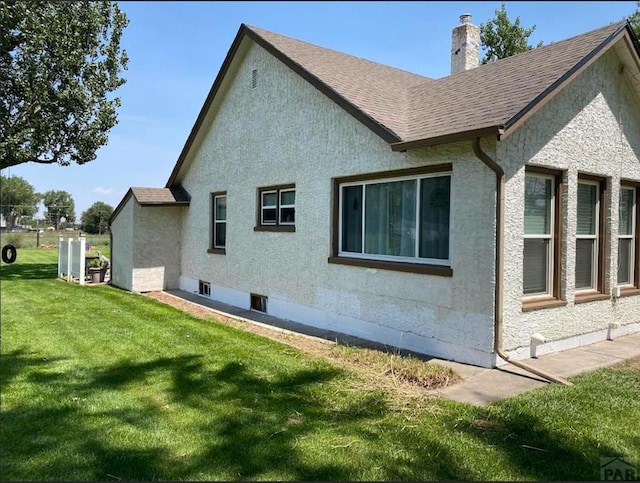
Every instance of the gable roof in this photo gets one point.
(408, 110)
(154, 197)
(492, 98)
(161, 196)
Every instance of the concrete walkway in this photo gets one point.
(480, 385)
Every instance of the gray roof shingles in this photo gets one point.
(161, 196)
(416, 107)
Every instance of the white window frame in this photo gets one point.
(551, 237)
(281, 206)
(216, 221)
(268, 207)
(632, 237)
(596, 246)
(393, 258)
(278, 206)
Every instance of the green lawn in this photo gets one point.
(101, 384)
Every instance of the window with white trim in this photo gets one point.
(539, 220)
(277, 208)
(403, 219)
(219, 221)
(627, 237)
(588, 214)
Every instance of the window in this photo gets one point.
(541, 257)
(395, 219)
(276, 208)
(589, 269)
(628, 251)
(259, 302)
(204, 288)
(219, 222)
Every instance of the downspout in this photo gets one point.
(499, 262)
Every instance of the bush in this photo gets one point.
(15, 239)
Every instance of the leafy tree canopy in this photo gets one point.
(501, 38)
(95, 219)
(17, 199)
(634, 20)
(58, 204)
(59, 64)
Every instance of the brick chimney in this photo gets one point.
(465, 45)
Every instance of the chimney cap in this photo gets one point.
(465, 18)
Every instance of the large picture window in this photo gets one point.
(628, 237)
(398, 219)
(541, 257)
(589, 269)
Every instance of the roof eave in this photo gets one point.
(550, 92)
(207, 103)
(382, 131)
(385, 133)
(123, 202)
(447, 138)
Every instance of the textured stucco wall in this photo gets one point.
(286, 131)
(122, 250)
(156, 256)
(597, 121)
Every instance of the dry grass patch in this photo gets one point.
(398, 367)
(408, 382)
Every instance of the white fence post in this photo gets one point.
(69, 259)
(60, 257)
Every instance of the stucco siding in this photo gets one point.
(122, 229)
(591, 127)
(286, 131)
(156, 259)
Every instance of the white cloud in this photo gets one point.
(102, 191)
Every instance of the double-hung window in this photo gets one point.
(276, 208)
(395, 220)
(541, 260)
(589, 267)
(219, 222)
(628, 237)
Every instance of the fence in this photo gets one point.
(71, 259)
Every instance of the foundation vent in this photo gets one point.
(259, 303)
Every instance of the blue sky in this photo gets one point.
(177, 48)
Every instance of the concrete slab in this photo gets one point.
(480, 386)
(489, 385)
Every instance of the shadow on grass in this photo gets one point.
(28, 271)
(181, 418)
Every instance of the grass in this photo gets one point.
(399, 367)
(101, 384)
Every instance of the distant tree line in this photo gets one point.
(19, 203)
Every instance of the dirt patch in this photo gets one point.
(371, 367)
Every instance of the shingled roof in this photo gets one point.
(161, 196)
(408, 110)
(154, 197)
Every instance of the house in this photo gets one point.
(473, 217)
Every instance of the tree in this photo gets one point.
(500, 38)
(59, 204)
(634, 20)
(59, 65)
(17, 199)
(96, 218)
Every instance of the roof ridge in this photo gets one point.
(540, 49)
(259, 31)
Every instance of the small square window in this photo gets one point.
(259, 303)
(277, 208)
